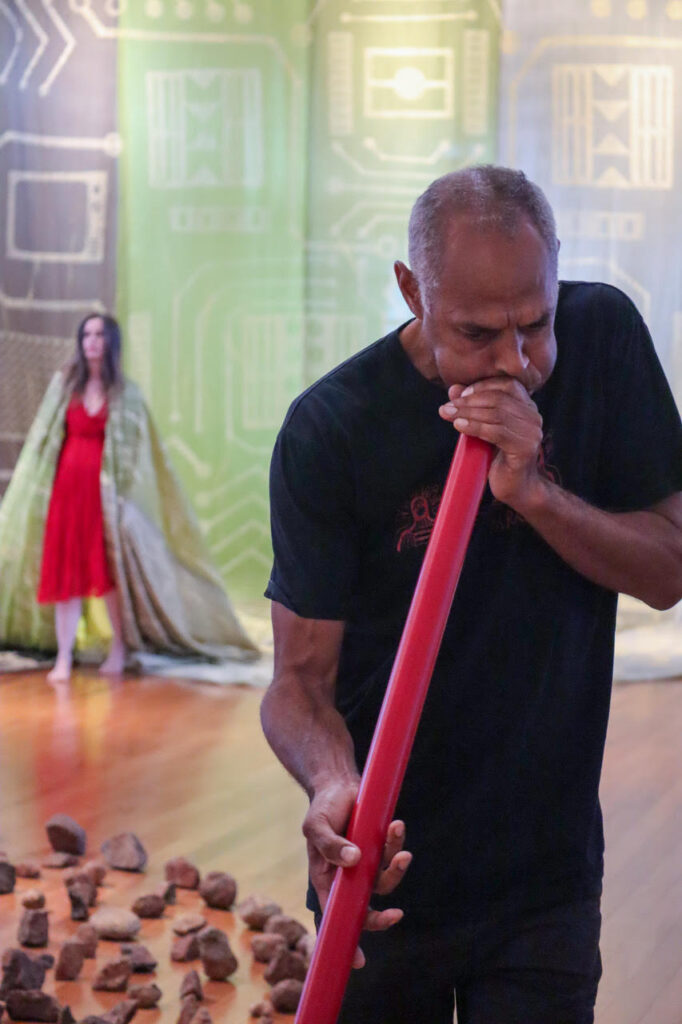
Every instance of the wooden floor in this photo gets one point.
(186, 768)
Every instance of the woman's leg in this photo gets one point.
(66, 616)
(117, 652)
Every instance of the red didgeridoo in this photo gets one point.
(395, 730)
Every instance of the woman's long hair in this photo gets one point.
(77, 373)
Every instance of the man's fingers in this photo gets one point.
(395, 837)
(391, 876)
(381, 920)
(334, 848)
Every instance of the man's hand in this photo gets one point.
(500, 410)
(323, 827)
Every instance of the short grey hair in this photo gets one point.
(496, 197)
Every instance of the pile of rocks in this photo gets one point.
(279, 941)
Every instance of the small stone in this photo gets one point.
(282, 924)
(32, 1005)
(27, 869)
(218, 890)
(146, 996)
(191, 986)
(264, 946)
(202, 1016)
(286, 995)
(167, 890)
(96, 870)
(20, 971)
(121, 1013)
(261, 1009)
(92, 1018)
(141, 960)
(87, 936)
(115, 923)
(218, 960)
(65, 834)
(255, 911)
(285, 964)
(33, 899)
(190, 1005)
(79, 904)
(113, 977)
(185, 947)
(58, 859)
(81, 881)
(65, 1016)
(33, 929)
(125, 852)
(70, 960)
(306, 945)
(149, 906)
(182, 873)
(8, 877)
(187, 923)
(46, 959)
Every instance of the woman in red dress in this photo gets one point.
(74, 561)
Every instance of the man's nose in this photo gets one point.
(510, 355)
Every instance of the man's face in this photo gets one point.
(492, 312)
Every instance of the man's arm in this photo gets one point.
(310, 738)
(637, 553)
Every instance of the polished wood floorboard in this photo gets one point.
(185, 767)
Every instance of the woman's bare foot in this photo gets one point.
(114, 664)
(61, 671)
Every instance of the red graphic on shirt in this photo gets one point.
(416, 519)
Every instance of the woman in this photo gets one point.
(94, 510)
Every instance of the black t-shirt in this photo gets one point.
(500, 798)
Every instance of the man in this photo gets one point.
(500, 800)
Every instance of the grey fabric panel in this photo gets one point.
(58, 195)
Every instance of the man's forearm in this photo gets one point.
(308, 735)
(637, 553)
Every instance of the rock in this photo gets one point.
(141, 960)
(115, 923)
(182, 873)
(306, 945)
(87, 936)
(190, 1005)
(79, 903)
(20, 971)
(218, 889)
(167, 890)
(33, 899)
(265, 946)
(187, 923)
(202, 1016)
(65, 834)
(218, 960)
(191, 986)
(96, 870)
(92, 1018)
(263, 1009)
(83, 884)
(46, 959)
(57, 859)
(152, 905)
(27, 869)
(121, 1013)
(255, 911)
(285, 964)
(65, 1016)
(32, 1005)
(282, 924)
(125, 852)
(286, 995)
(33, 929)
(185, 947)
(113, 977)
(146, 996)
(70, 960)
(8, 876)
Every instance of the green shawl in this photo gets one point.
(172, 598)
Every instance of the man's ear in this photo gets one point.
(409, 288)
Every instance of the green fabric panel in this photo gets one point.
(271, 153)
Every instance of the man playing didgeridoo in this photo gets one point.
(500, 906)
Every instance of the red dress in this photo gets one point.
(74, 556)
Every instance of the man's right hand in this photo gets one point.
(323, 827)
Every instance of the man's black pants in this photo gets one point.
(541, 968)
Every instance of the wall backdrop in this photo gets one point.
(233, 178)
